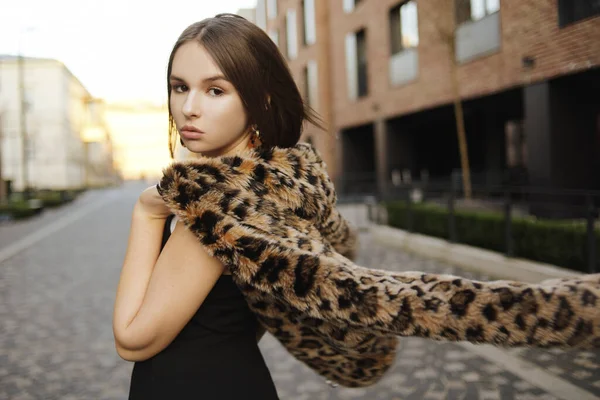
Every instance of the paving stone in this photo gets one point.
(56, 340)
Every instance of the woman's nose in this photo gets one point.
(191, 106)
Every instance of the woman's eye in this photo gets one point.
(179, 88)
(215, 92)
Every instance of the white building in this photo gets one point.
(98, 147)
(59, 112)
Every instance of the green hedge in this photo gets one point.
(18, 210)
(555, 242)
(53, 199)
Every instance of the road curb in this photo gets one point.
(493, 264)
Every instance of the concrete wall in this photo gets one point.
(55, 119)
(58, 117)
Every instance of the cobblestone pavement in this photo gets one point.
(581, 368)
(12, 231)
(56, 299)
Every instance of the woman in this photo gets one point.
(262, 208)
(178, 313)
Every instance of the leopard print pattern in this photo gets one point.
(270, 216)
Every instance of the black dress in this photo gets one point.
(215, 356)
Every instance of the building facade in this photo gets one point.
(526, 72)
(301, 30)
(42, 137)
(100, 167)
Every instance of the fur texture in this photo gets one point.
(270, 216)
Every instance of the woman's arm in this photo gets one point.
(159, 292)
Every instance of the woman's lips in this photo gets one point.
(190, 132)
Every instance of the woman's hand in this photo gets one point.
(152, 204)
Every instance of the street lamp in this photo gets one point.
(23, 115)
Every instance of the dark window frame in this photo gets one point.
(306, 85)
(361, 63)
(574, 11)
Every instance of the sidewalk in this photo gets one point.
(12, 231)
(57, 342)
(563, 374)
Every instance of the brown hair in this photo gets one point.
(254, 65)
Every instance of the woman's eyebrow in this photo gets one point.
(216, 78)
(209, 79)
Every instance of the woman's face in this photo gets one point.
(207, 109)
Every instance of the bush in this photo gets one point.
(57, 198)
(19, 210)
(555, 242)
(50, 199)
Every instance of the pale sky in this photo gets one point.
(117, 48)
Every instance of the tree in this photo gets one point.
(448, 37)
(460, 126)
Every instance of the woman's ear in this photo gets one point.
(268, 102)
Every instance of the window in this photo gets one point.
(309, 35)
(306, 88)
(356, 64)
(291, 34)
(361, 62)
(350, 5)
(516, 144)
(272, 9)
(310, 84)
(473, 10)
(570, 11)
(404, 29)
(351, 70)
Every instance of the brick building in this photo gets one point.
(381, 74)
(301, 29)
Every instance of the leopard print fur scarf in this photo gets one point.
(270, 217)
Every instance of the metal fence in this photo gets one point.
(566, 205)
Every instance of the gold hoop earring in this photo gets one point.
(255, 137)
